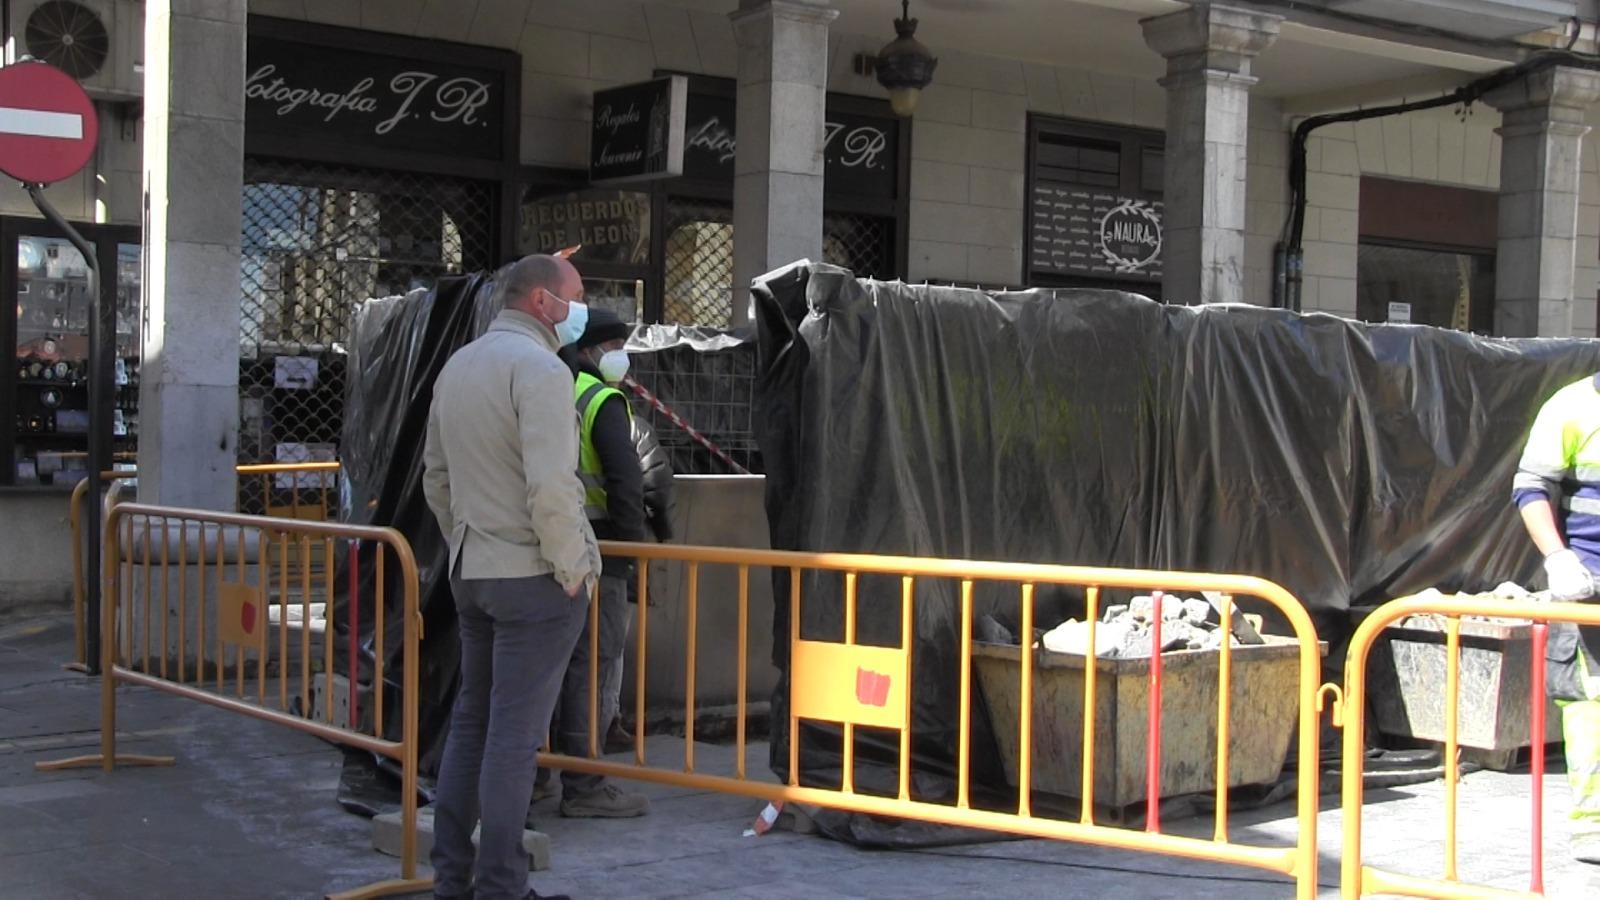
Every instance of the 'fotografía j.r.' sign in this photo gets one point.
(356, 98)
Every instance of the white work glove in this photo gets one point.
(1569, 578)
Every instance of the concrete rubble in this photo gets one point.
(1193, 623)
(1508, 590)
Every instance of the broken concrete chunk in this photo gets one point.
(1143, 605)
(1510, 590)
(1112, 635)
(1072, 636)
(1198, 612)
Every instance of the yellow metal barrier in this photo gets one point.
(193, 580)
(1358, 880)
(855, 685)
(272, 477)
(326, 476)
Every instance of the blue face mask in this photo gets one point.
(571, 328)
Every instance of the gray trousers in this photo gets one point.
(517, 635)
(573, 717)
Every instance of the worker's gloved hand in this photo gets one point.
(1569, 577)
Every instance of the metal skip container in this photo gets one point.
(1264, 704)
(1407, 676)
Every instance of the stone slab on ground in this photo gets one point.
(387, 833)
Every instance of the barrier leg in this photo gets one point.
(408, 882)
(1536, 704)
(107, 759)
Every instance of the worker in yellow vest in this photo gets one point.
(613, 500)
(1557, 491)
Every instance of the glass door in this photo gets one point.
(48, 340)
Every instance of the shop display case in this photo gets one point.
(46, 433)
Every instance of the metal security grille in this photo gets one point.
(862, 244)
(712, 392)
(699, 263)
(317, 241)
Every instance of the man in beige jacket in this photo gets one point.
(501, 477)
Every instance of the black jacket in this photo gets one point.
(658, 501)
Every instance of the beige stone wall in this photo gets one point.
(1439, 146)
(1266, 196)
(968, 149)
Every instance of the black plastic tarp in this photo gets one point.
(1351, 463)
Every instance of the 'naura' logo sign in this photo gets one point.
(1130, 235)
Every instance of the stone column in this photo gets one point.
(777, 185)
(1208, 49)
(1541, 151)
(194, 56)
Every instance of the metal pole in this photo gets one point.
(102, 342)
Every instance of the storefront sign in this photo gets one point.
(637, 132)
(356, 98)
(1084, 232)
(860, 154)
(1130, 236)
(613, 226)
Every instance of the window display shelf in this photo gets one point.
(49, 316)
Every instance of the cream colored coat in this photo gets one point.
(501, 458)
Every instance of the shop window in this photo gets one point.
(699, 257)
(1079, 160)
(50, 389)
(1442, 287)
(318, 240)
(1095, 212)
(699, 266)
(1152, 169)
(863, 244)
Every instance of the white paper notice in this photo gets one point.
(295, 373)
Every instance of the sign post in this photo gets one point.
(48, 131)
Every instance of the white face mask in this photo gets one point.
(613, 365)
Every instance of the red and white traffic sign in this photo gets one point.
(48, 127)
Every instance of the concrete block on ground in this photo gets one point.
(386, 835)
(340, 698)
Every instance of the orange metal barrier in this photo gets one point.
(1357, 879)
(322, 510)
(80, 628)
(199, 586)
(855, 685)
(272, 476)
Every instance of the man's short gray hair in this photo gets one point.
(528, 274)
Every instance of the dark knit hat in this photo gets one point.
(604, 325)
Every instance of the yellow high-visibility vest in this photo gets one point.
(590, 393)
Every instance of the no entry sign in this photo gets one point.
(48, 126)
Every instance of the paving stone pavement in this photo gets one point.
(249, 812)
